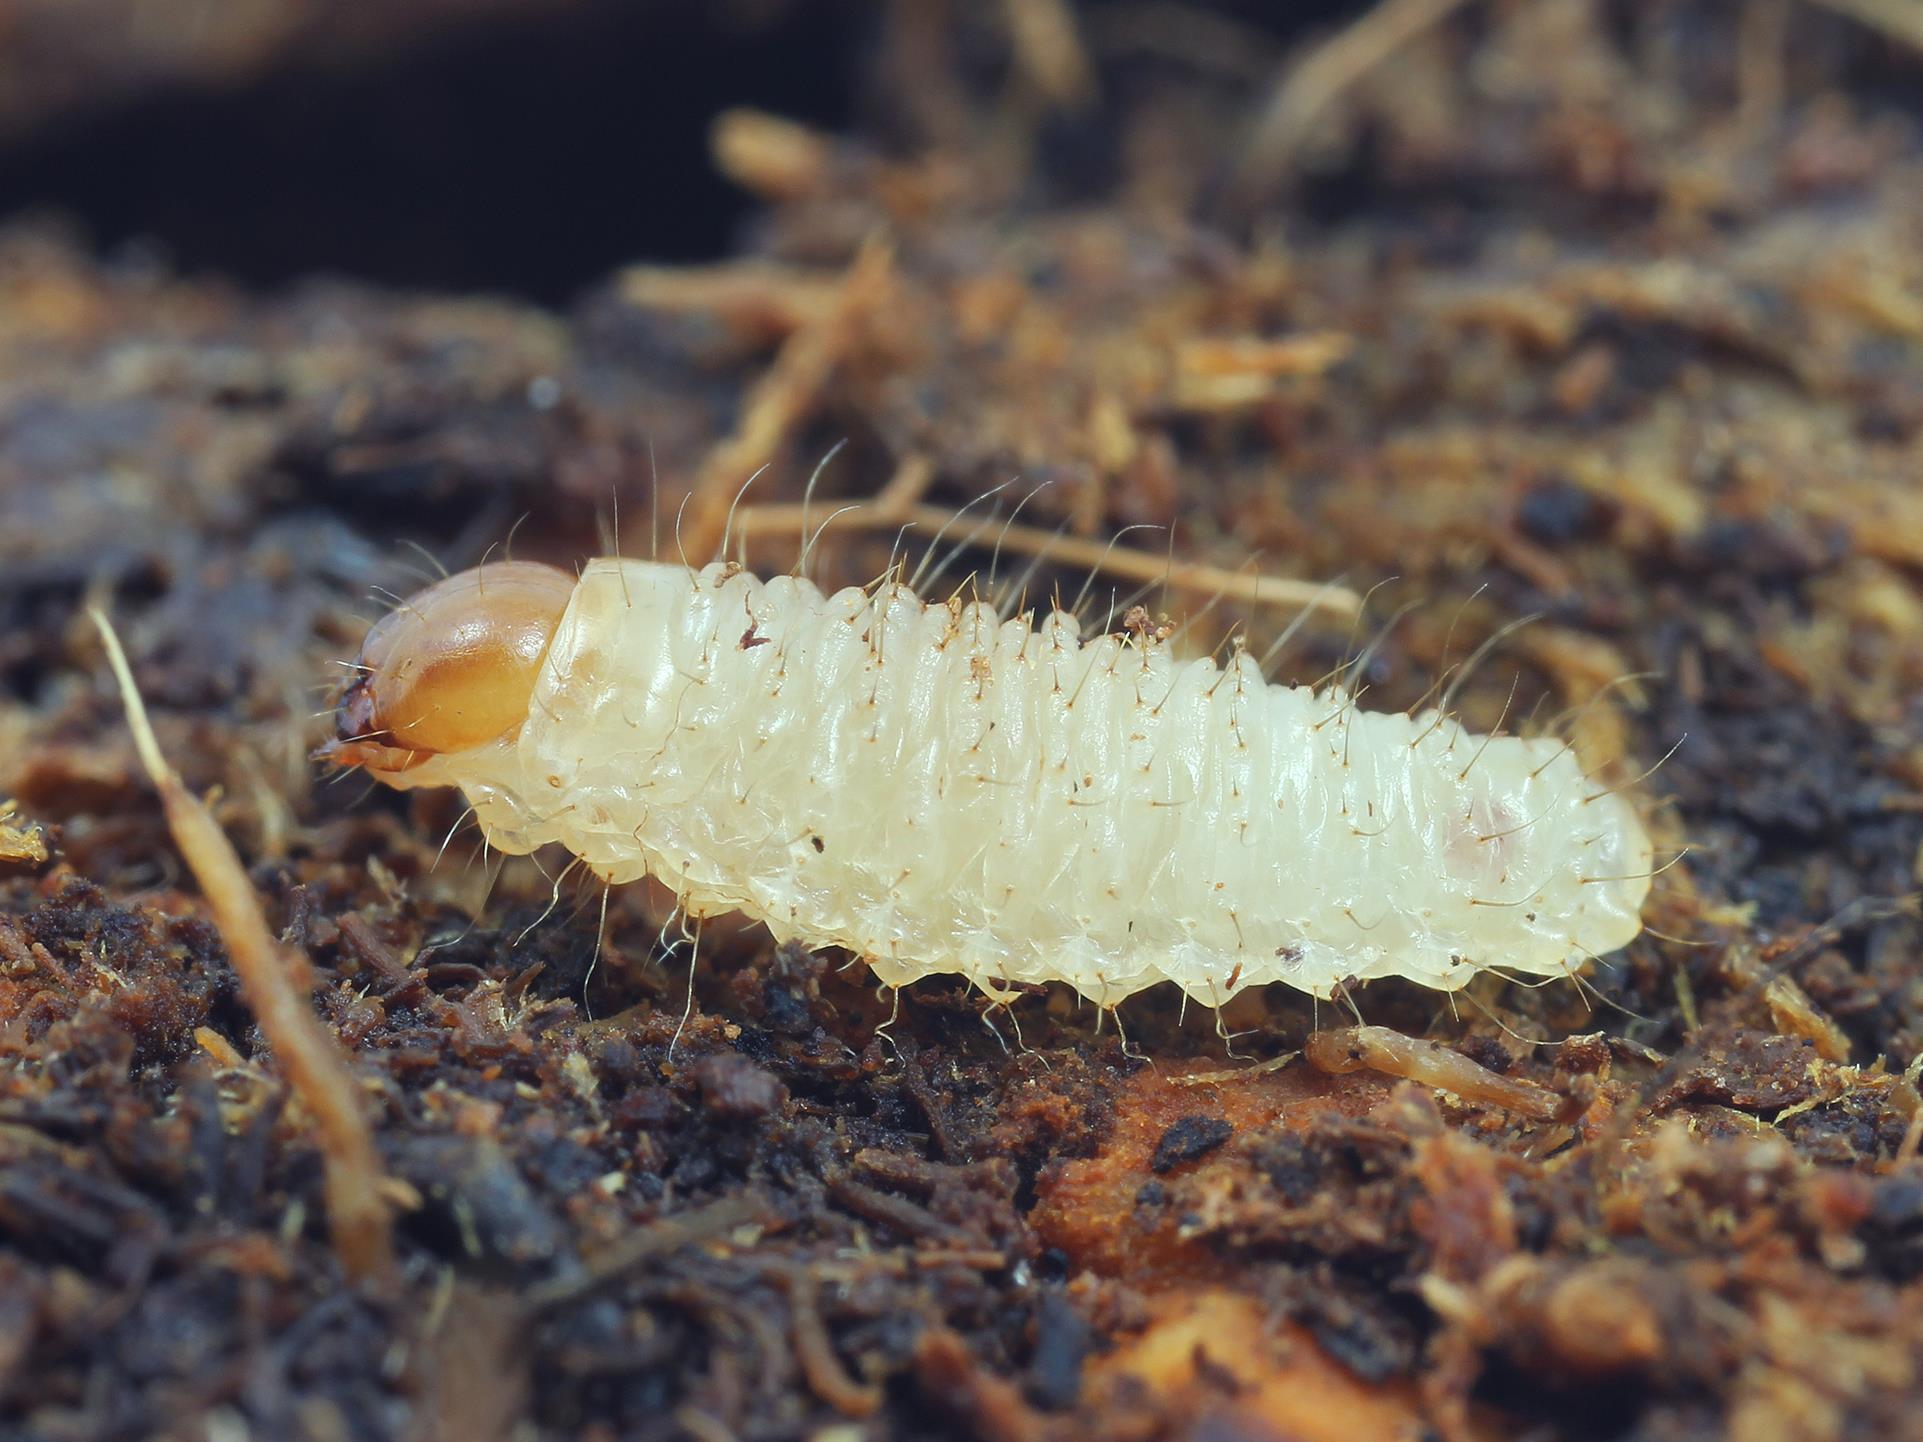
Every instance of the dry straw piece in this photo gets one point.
(271, 980)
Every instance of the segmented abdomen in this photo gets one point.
(940, 790)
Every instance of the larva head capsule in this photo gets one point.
(451, 668)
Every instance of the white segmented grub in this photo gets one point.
(940, 790)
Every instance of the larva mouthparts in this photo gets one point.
(940, 789)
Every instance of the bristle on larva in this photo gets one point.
(940, 790)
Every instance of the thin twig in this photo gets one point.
(1306, 91)
(1077, 551)
(789, 391)
(317, 1070)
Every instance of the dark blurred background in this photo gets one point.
(519, 146)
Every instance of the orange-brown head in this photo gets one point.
(453, 667)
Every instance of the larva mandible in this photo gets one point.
(939, 789)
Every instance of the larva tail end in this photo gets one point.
(451, 668)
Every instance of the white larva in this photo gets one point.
(942, 790)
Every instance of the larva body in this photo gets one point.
(941, 790)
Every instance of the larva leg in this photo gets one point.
(1015, 1023)
(1344, 992)
(600, 940)
(475, 913)
(1222, 1031)
(687, 1008)
(554, 900)
(1129, 1049)
(885, 1032)
(988, 1013)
